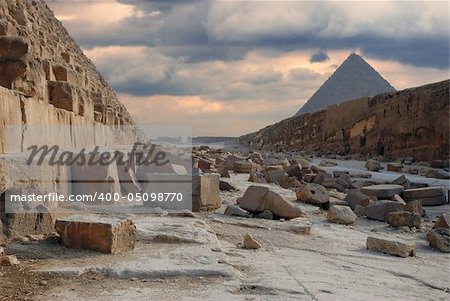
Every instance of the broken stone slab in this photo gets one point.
(250, 243)
(243, 167)
(440, 239)
(443, 222)
(390, 247)
(275, 176)
(256, 178)
(313, 194)
(341, 215)
(225, 186)
(382, 190)
(435, 173)
(300, 229)
(289, 182)
(404, 219)
(309, 178)
(266, 214)
(395, 167)
(8, 260)
(380, 210)
(403, 181)
(426, 192)
(359, 210)
(361, 175)
(259, 198)
(414, 206)
(235, 210)
(373, 165)
(398, 198)
(327, 163)
(335, 183)
(98, 233)
(206, 192)
(355, 197)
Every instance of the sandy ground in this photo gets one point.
(331, 263)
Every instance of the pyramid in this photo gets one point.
(355, 78)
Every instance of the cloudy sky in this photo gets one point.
(231, 67)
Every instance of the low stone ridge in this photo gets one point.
(102, 234)
(355, 126)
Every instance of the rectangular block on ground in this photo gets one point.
(98, 233)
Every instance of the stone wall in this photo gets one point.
(39, 59)
(50, 93)
(413, 122)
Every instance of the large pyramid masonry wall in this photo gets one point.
(44, 76)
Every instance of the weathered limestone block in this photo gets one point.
(10, 114)
(243, 167)
(428, 196)
(61, 95)
(341, 215)
(404, 218)
(64, 74)
(382, 191)
(103, 234)
(380, 210)
(10, 69)
(12, 47)
(390, 247)
(258, 199)
(355, 197)
(205, 192)
(443, 222)
(313, 194)
(440, 239)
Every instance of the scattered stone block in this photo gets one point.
(275, 176)
(440, 239)
(383, 190)
(435, 173)
(359, 210)
(355, 197)
(414, 206)
(243, 167)
(206, 192)
(373, 165)
(300, 229)
(327, 163)
(395, 167)
(256, 178)
(236, 211)
(429, 196)
(313, 194)
(289, 182)
(443, 222)
(258, 199)
(294, 170)
(341, 215)
(266, 214)
(398, 198)
(98, 233)
(404, 218)
(380, 210)
(403, 181)
(390, 247)
(309, 178)
(250, 243)
(8, 260)
(225, 186)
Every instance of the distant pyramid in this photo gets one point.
(355, 78)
